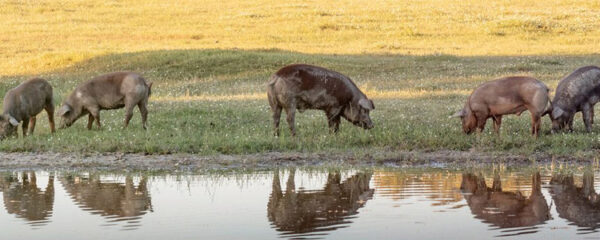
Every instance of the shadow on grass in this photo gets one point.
(213, 71)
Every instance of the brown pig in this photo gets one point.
(508, 95)
(301, 86)
(108, 91)
(23, 103)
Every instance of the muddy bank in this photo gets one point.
(190, 162)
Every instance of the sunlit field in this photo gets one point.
(210, 62)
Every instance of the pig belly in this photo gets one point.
(507, 109)
(112, 105)
(316, 100)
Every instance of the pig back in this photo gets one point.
(317, 87)
(580, 86)
(28, 99)
(514, 89)
(109, 90)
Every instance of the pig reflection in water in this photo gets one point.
(580, 205)
(24, 199)
(504, 209)
(108, 199)
(296, 212)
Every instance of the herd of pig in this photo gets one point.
(300, 87)
(309, 87)
(110, 91)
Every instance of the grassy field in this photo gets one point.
(210, 62)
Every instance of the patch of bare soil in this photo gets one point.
(191, 162)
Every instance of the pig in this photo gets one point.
(579, 91)
(109, 91)
(302, 86)
(508, 95)
(23, 103)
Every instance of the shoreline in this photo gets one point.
(194, 162)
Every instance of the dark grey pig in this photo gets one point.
(108, 91)
(302, 87)
(578, 91)
(23, 103)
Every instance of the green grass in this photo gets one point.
(414, 97)
(210, 61)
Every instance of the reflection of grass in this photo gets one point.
(49, 34)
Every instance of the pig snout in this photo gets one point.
(467, 131)
(364, 121)
(64, 124)
(368, 124)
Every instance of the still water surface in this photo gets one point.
(416, 203)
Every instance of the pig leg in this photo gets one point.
(334, 123)
(587, 116)
(535, 124)
(31, 125)
(97, 117)
(24, 126)
(90, 121)
(276, 118)
(592, 115)
(50, 111)
(570, 123)
(481, 119)
(497, 123)
(290, 112)
(143, 112)
(128, 113)
(95, 113)
(333, 119)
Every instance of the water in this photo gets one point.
(414, 203)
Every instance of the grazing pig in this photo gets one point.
(23, 103)
(578, 91)
(508, 95)
(302, 87)
(108, 91)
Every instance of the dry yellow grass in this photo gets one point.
(394, 94)
(43, 35)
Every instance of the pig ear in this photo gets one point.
(12, 120)
(366, 104)
(63, 110)
(557, 112)
(459, 114)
